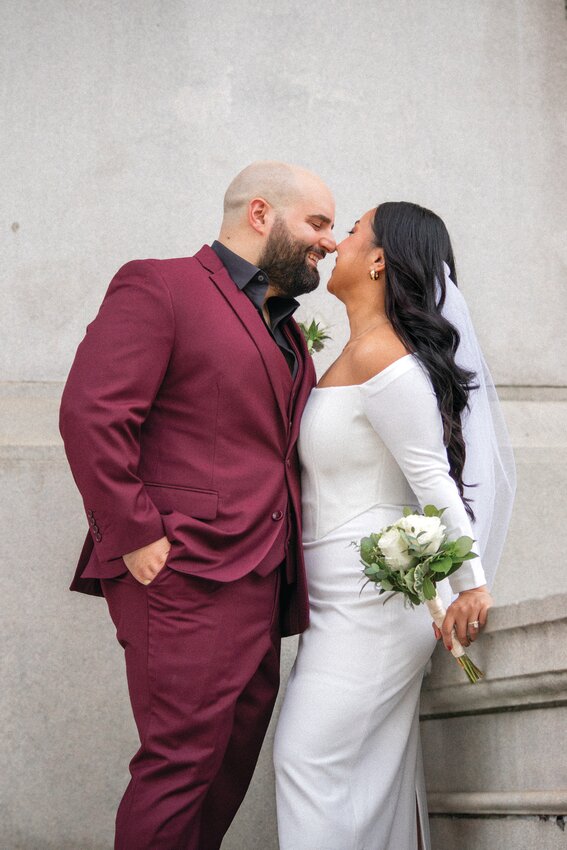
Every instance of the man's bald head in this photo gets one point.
(282, 216)
(278, 183)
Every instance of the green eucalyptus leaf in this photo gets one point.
(366, 547)
(431, 510)
(441, 565)
(462, 546)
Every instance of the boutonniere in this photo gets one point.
(314, 336)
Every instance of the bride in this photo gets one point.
(406, 416)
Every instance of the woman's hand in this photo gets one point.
(467, 615)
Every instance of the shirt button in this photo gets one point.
(277, 515)
(261, 278)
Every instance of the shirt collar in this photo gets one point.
(255, 281)
(240, 270)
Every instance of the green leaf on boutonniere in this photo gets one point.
(314, 336)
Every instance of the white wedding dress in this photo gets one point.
(347, 750)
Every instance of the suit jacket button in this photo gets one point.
(95, 528)
(92, 521)
(98, 537)
(277, 515)
(90, 514)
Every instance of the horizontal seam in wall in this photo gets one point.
(495, 816)
(447, 715)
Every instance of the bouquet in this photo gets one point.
(410, 557)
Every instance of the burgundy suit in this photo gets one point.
(180, 418)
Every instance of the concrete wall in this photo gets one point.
(127, 120)
(122, 124)
(496, 777)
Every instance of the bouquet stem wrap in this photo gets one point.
(438, 611)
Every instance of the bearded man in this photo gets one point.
(180, 418)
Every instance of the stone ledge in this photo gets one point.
(523, 653)
(536, 417)
(33, 452)
(531, 612)
(551, 802)
(516, 693)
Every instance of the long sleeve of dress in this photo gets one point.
(401, 406)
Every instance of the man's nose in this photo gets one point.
(328, 243)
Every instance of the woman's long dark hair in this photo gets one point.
(416, 243)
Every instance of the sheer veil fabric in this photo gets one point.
(489, 474)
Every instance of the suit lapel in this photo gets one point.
(306, 377)
(274, 363)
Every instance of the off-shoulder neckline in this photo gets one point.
(386, 372)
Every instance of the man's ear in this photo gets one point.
(259, 215)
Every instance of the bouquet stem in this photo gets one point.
(438, 611)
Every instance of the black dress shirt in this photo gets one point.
(254, 283)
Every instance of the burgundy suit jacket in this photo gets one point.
(180, 418)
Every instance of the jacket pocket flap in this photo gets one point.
(201, 504)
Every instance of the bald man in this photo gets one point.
(180, 419)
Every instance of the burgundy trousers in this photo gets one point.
(202, 660)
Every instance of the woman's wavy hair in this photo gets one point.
(416, 243)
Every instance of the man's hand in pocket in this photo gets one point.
(147, 562)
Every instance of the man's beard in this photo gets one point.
(284, 260)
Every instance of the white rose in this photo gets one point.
(394, 549)
(433, 530)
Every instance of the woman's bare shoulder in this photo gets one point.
(373, 354)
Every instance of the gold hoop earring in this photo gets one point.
(374, 274)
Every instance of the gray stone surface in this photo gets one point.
(498, 834)
(67, 733)
(126, 124)
(495, 748)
